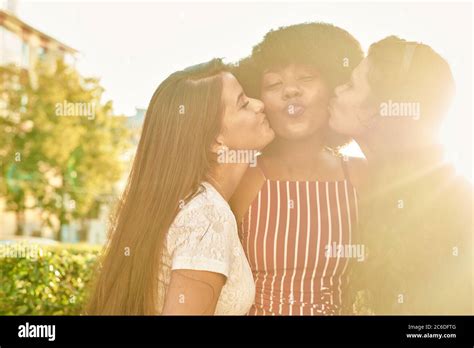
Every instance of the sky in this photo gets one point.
(133, 46)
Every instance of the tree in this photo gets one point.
(62, 145)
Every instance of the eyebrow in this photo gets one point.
(239, 97)
(269, 70)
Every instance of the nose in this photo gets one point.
(291, 91)
(258, 106)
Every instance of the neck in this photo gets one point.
(226, 177)
(296, 153)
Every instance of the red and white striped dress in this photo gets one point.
(285, 233)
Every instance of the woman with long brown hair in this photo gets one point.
(173, 243)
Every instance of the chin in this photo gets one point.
(268, 137)
(272, 134)
(265, 138)
(299, 131)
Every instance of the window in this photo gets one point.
(11, 48)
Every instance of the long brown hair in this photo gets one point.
(172, 159)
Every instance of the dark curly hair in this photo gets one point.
(330, 49)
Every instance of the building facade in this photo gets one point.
(24, 46)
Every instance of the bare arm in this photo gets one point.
(192, 292)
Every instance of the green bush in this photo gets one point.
(54, 282)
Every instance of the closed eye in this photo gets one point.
(307, 78)
(272, 85)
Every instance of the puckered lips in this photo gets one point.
(294, 109)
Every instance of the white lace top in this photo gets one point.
(204, 237)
